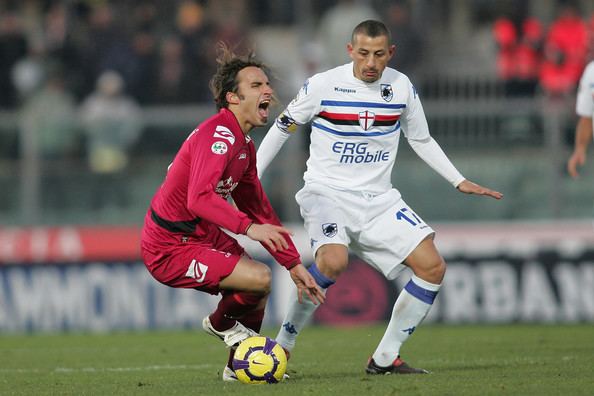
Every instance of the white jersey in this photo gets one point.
(584, 106)
(356, 127)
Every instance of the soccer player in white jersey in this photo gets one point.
(584, 108)
(358, 112)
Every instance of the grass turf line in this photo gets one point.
(464, 360)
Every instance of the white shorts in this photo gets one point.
(380, 229)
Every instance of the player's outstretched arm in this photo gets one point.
(306, 284)
(468, 187)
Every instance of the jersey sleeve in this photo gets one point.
(250, 198)
(208, 161)
(584, 106)
(413, 120)
(303, 107)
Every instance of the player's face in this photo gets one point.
(254, 95)
(370, 56)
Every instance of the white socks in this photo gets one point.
(410, 309)
(299, 314)
(297, 317)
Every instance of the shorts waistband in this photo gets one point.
(186, 227)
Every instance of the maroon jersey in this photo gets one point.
(216, 161)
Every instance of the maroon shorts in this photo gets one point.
(191, 263)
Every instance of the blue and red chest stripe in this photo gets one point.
(353, 119)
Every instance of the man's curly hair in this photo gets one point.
(225, 78)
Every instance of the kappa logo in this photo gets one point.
(387, 92)
(410, 330)
(330, 229)
(224, 133)
(289, 328)
(219, 148)
(197, 270)
(242, 156)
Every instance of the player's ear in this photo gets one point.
(391, 50)
(232, 98)
(350, 48)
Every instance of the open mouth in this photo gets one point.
(263, 108)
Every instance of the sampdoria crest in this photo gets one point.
(387, 92)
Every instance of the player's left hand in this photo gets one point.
(306, 284)
(469, 187)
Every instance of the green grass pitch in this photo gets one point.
(464, 360)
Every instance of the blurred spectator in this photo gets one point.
(13, 46)
(145, 67)
(336, 27)
(112, 123)
(230, 24)
(565, 50)
(519, 39)
(28, 73)
(59, 44)
(171, 70)
(197, 52)
(106, 46)
(407, 38)
(50, 112)
(49, 115)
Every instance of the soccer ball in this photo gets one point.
(259, 360)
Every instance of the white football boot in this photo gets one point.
(231, 337)
(229, 374)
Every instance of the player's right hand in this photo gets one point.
(578, 158)
(306, 284)
(269, 234)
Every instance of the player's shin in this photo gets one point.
(411, 307)
(233, 307)
(299, 314)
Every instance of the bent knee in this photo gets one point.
(332, 261)
(263, 279)
(434, 271)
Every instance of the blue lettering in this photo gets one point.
(337, 147)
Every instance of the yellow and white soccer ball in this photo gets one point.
(259, 360)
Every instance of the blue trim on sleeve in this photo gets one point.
(427, 296)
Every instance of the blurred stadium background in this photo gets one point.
(96, 97)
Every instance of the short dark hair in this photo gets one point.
(225, 78)
(371, 28)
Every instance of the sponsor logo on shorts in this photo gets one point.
(330, 229)
(197, 270)
(219, 147)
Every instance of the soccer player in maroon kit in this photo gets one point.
(183, 243)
